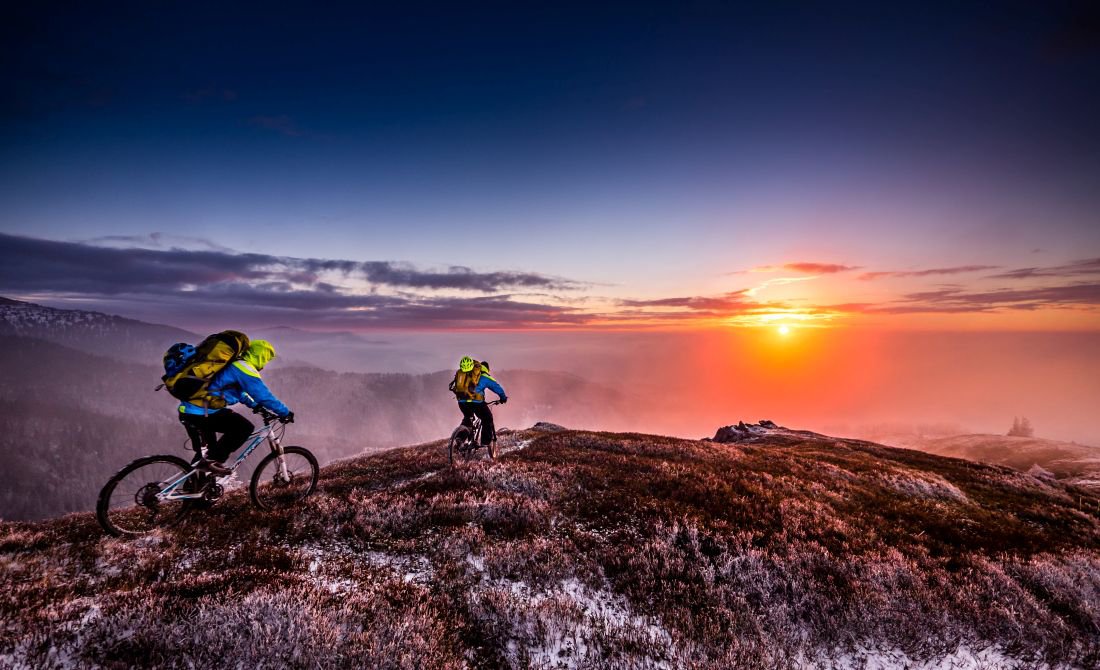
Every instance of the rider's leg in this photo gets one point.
(467, 413)
(194, 433)
(234, 428)
(488, 430)
(199, 432)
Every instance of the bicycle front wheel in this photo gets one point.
(128, 503)
(273, 488)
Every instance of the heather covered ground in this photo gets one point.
(582, 549)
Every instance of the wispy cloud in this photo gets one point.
(930, 272)
(1081, 268)
(157, 241)
(369, 293)
(778, 281)
(175, 275)
(805, 267)
(29, 263)
(733, 308)
(958, 300)
(734, 301)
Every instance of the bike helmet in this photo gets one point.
(177, 357)
(259, 354)
(466, 364)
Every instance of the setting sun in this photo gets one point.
(784, 330)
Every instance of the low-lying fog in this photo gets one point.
(688, 383)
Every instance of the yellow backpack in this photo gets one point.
(211, 356)
(464, 383)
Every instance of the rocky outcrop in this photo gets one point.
(741, 432)
(547, 427)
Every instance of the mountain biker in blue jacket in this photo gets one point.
(238, 382)
(469, 387)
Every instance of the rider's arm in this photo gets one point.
(487, 382)
(256, 390)
(247, 400)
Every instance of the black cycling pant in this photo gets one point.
(482, 411)
(203, 429)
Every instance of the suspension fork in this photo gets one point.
(277, 448)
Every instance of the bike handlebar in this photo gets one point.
(267, 414)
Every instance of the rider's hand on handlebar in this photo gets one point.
(504, 400)
(289, 418)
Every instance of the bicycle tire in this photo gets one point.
(270, 503)
(103, 510)
(460, 434)
(493, 452)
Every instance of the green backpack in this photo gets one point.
(211, 356)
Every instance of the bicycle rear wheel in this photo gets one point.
(271, 489)
(456, 446)
(128, 505)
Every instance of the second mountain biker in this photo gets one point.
(469, 386)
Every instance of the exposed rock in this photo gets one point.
(1037, 470)
(765, 430)
(547, 427)
(742, 432)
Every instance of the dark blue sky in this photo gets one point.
(650, 148)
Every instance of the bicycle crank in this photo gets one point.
(213, 492)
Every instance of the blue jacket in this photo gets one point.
(240, 382)
(487, 382)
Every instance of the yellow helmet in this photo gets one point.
(259, 354)
(466, 364)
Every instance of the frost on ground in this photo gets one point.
(569, 625)
(924, 485)
(781, 549)
(962, 658)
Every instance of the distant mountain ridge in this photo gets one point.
(93, 332)
(134, 340)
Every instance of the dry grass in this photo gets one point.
(581, 550)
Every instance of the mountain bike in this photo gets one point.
(466, 440)
(159, 491)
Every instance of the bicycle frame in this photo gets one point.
(265, 432)
(475, 436)
(475, 430)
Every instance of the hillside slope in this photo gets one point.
(1077, 463)
(581, 549)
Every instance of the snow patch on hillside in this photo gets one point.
(323, 560)
(562, 626)
(963, 658)
(924, 485)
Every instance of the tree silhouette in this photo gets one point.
(1021, 427)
